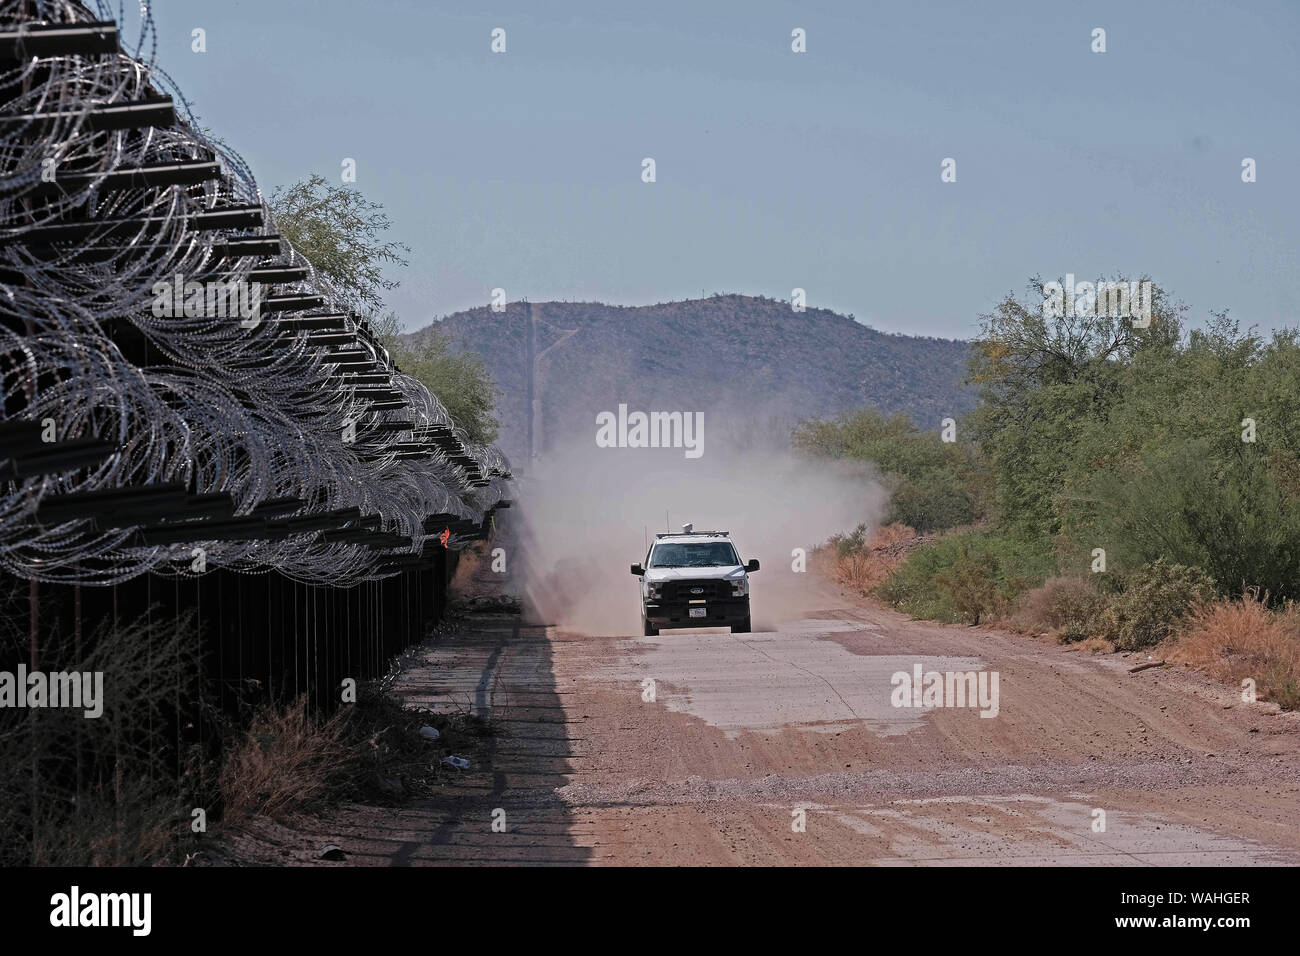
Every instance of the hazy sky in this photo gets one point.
(774, 169)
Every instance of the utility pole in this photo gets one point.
(536, 438)
(530, 351)
(535, 410)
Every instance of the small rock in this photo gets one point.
(429, 733)
(460, 763)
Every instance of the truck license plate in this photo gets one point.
(698, 611)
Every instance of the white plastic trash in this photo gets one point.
(460, 763)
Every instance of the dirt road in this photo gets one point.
(747, 734)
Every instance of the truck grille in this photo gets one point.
(684, 590)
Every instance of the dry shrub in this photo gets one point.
(115, 790)
(863, 570)
(887, 536)
(861, 561)
(122, 825)
(289, 760)
(1133, 610)
(1064, 607)
(292, 760)
(1094, 645)
(1234, 640)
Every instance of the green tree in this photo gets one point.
(340, 232)
(1167, 474)
(1041, 379)
(933, 484)
(459, 379)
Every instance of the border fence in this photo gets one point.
(254, 457)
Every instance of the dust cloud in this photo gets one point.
(584, 514)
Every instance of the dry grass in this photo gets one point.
(866, 566)
(125, 825)
(1093, 645)
(116, 790)
(1235, 640)
(293, 761)
(288, 760)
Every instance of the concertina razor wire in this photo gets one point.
(176, 443)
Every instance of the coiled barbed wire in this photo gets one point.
(93, 237)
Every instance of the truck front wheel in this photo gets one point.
(741, 628)
(649, 629)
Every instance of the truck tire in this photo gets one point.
(649, 629)
(741, 628)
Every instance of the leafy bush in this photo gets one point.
(971, 583)
(855, 542)
(934, 485)
(967, 577)
(933, 502)
(1152, 602)
(1132, 610)
(1198, 505)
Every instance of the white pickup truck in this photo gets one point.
(694, 579)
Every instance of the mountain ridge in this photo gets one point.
(723, 353)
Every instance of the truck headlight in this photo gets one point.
(653, 591)
(740, 588)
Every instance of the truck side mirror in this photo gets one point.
(753, 565)
(638, 570)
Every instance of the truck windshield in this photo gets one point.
(704, 554)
